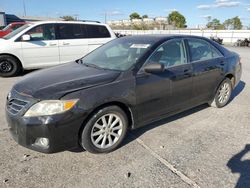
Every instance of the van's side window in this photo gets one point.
(71, 31)
(42, 32)
(97, 31)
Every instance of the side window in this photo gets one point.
(170, 54)
(215, 52)
(71, 31)
(199, 50)
(42, 32)
(97, 31)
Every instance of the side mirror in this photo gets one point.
(26, 38)
(154, 68)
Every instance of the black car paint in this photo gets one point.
(141, 94)
(63, 79)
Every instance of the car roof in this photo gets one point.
(70, 22)
(14, 23)
(164, 36)
(161, 37)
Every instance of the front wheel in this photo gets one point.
(9, 66)
(223, 94)
(105, 130)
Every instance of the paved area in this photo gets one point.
(202, 147)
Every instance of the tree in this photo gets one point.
(228, 23)
(68, 18)
(177, 19)
(233, 23)
(135, 15)
(145, 16)
(215, 24)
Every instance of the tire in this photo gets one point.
(9, 66)
(95, 131)
(225, 88)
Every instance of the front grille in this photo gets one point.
(14, 106)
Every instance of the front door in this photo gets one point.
(42, 50)
(159, 94)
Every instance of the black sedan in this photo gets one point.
(125, 84)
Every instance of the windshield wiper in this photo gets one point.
(91, 65)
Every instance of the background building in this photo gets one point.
(6, 19)
(158, 23)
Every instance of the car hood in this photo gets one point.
(55, 82)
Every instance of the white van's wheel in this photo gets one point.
(9, 66)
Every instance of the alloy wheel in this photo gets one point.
(224, 93)
(106, 131)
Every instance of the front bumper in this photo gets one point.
(62, 130)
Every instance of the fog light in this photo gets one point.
(42, 142)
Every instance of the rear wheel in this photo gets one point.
(223, 94)
(9, 66)
(105, 130)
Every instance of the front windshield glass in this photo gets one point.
(15, 32)
(119, 54)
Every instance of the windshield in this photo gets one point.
(15, 32)
(6, 28)
(119, 54)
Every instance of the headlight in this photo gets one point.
(50, 107)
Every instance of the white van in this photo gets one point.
(49, 43)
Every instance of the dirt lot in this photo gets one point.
(202, 147)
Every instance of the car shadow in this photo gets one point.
(25, 72)
(134, 134)
(237, 165)
(237, 90)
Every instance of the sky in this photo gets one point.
(195, 11)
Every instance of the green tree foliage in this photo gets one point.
(177, 19)
(215, 24)
(134, 15)
(68, 18)
(233, 23)
(145, 16)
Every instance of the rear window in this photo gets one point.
(97, 31)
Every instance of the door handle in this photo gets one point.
(187, 72)
(65, 43)
(52, 44)
(222, 63)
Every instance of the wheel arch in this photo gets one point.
(231, 77)
(122, 105)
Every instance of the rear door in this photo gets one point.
(159, 94)
(207, 62)
(98, 35)
(73, 41)
(42, 50)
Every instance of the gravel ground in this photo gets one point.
(202, 147)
